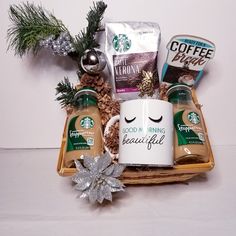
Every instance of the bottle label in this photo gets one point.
(188, 134)
(80, 139)
(128, 69)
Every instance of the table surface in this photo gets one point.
(36, 201)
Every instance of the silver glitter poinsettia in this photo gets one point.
(97, 179)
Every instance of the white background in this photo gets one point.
(30, 116)
(34, 200)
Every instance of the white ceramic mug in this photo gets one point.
(146, 133)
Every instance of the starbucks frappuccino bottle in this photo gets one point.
(84, 129)
(190, 136)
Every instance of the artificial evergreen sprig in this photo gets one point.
(30, 24)
(33, 27)
(67, 92)
(86, 38)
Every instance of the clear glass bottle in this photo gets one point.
(190, 136)
(84, 128)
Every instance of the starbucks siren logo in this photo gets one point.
(87, 122)
(121, 43)
(194, 118)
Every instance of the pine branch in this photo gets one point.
(67, 92)
(86, 38)
(30, 24)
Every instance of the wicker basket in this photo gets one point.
(133, 175)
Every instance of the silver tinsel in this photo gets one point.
(97, 179)
(62, 45)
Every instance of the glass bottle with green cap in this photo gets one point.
(84, 129)
(190, 136)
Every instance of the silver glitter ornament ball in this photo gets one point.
(93, 61)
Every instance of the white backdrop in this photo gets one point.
(31, 118)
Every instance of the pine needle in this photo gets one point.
(30, 24)
(67, 92)
(86, 38)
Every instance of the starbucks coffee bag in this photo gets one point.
(131, 49)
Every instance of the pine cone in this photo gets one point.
(107, 106)
(97, 82)
(88, 80)
(112, 138)
(163, 89)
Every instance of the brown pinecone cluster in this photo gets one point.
(112, 138)
(163, 89)
(107, 106)
(97, 82)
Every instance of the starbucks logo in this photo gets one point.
(87, 122)
(121, 43)
(194, 118)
